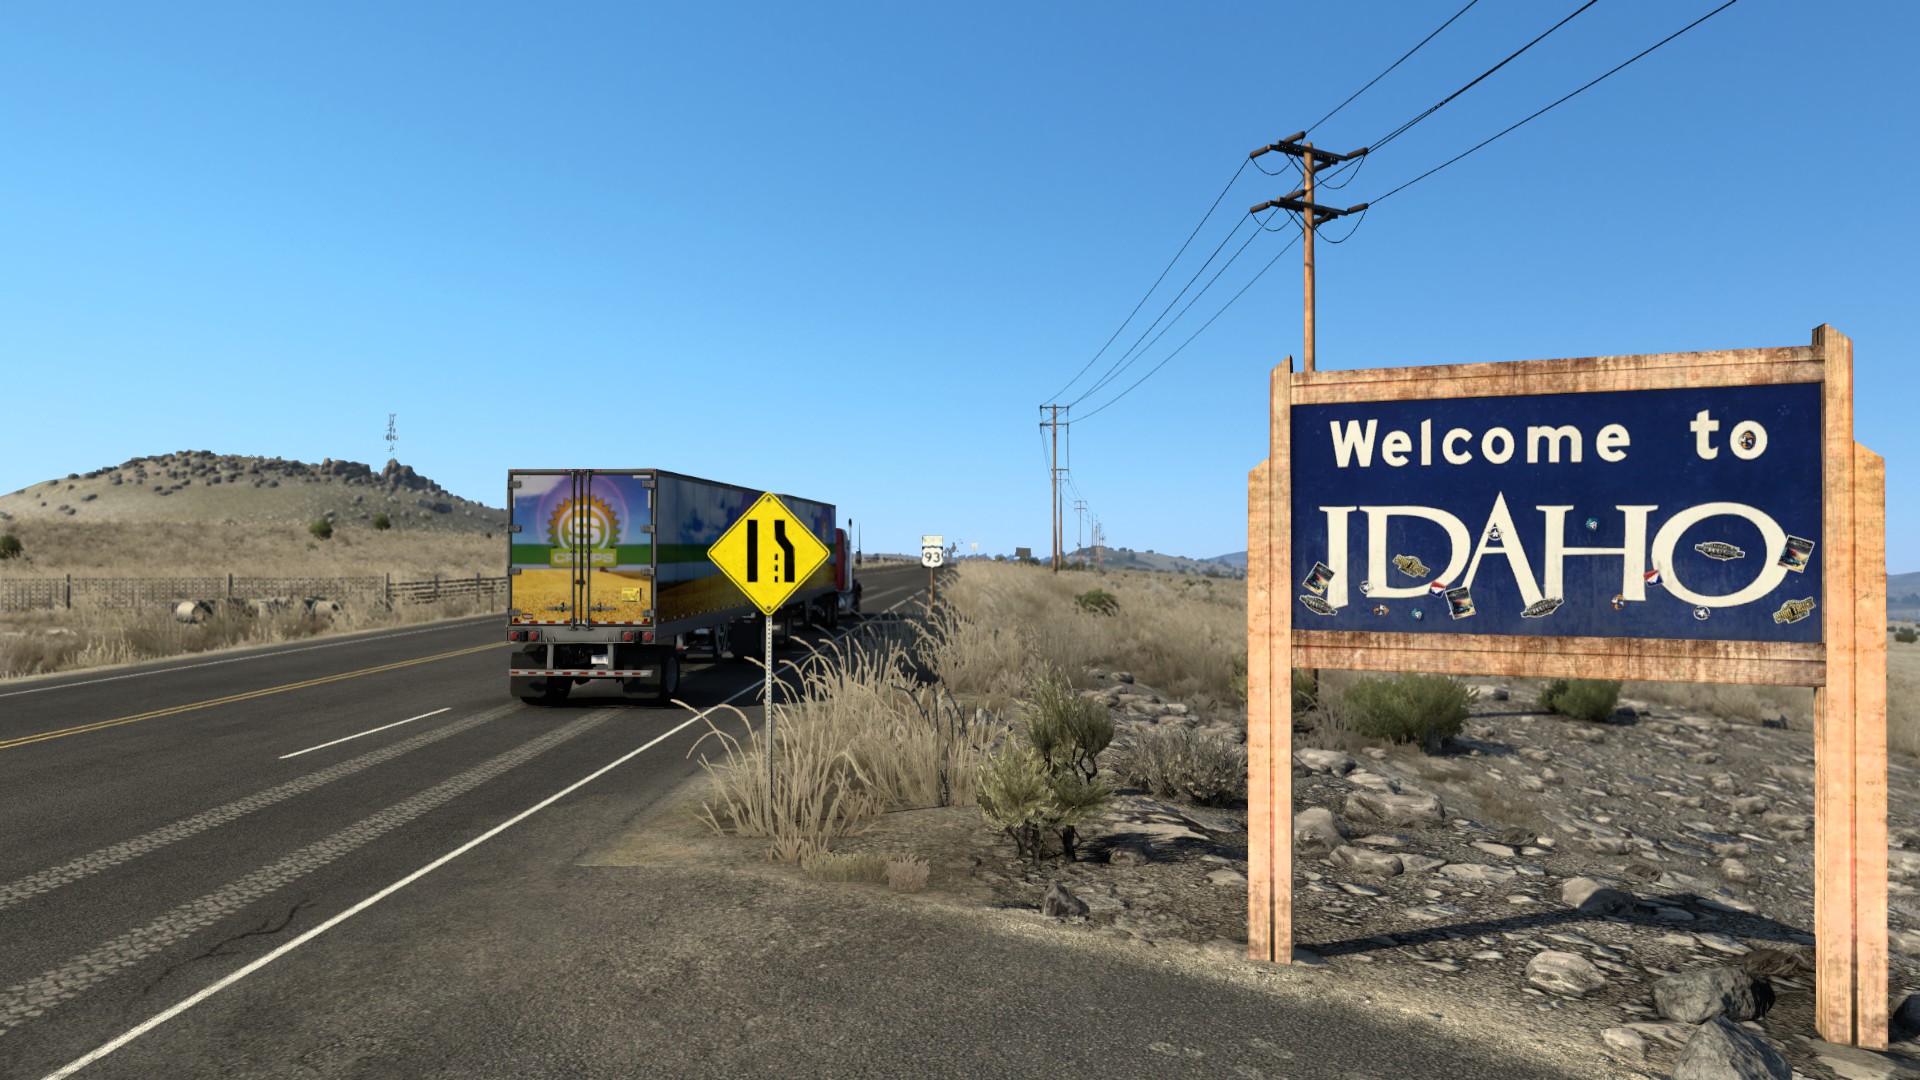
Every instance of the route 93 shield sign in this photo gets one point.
(1673, 513)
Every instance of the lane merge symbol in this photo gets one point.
(768, 553)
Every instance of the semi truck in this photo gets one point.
(608, 579)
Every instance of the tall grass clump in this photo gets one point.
(980, 659)
(1424, 709)
(1097, 602)
(858, 735)
(1592, 700)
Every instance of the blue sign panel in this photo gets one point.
(1691, 513)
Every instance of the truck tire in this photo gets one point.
(547, 692)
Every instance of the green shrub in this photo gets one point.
(1592, 700)
(1024, 795)
(1098, 601)
(1427, 709)
(1064, 727)
(382, 522)
(1905, 635)
(1044, 783)
(1239, 677)
(1176, 762)
(321, 528)
(1306, 691)
(10, 546)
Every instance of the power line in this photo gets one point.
(1384, 74)
(1124, 362)
(1156, 282)
(1403, 128)
(1196, 333)
(1623, 64)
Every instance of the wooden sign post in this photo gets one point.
(1688, 517)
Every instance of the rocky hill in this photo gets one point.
(200, 486)
(1119, 558)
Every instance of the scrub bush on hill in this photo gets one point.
(1098, 602)
(1592, 700)
(1427, 709)
(1905, 635)
(321, 529)
(10, 546)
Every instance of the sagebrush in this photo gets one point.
(1424, 709)
(1592, 700)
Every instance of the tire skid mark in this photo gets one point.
(23, 1001)
(93, 862)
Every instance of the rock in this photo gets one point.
(1317, 828)
(1419, 864)
(1609, 845)
(1693, 997)
(1373, 781)
(1903, 864)
(1723, 1050)
(1501, 850)
(1750, 805)
(1365, 861)
(1500, 693)
(1227, 877)
(1060, 903)
(1735, 870)
(1536, 755)
(1332, 762)
(1586, 734)
(1395, 809)
(1478, 873)
(1907, 1015)
(1625, 1043)
(1128, 855)
(1123, 676)
(1776, 962)
(1564, 973)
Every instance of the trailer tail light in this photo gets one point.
(513, 635)
(647, 637)
(533, 635)
(626, 635)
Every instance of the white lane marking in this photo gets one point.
(95, 861)
(369, 731)
(162, 1017)
(449, 624)
(31, 998)
(203, 994)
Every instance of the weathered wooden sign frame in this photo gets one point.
(1847, 670)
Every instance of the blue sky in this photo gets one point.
(846, 250)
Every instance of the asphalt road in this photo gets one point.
(359, 856)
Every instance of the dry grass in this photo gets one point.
(860, 736)
(198, 549)
(43, 642)
(1178, 634)
(39, 642)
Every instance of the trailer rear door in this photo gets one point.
(582, 550)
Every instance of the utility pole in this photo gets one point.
(1096, 544)
(1301, 202)
(1080, 525)
(1054, 472)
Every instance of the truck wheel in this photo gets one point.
(669, 678)
(551, 692)
(722, 641)
(783, 631)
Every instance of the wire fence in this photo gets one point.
(111, 593)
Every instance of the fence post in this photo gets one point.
(229, 585)
(389, 592)
(69, 592)
(436, 586)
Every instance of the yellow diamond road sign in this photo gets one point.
(768, 553)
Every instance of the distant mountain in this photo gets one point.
(1903, 595)
(1119, 558)
(1235, 559)
(199, 486)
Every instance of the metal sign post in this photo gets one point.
(768, 553)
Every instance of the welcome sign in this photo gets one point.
(1692, 517)
(1684, 513)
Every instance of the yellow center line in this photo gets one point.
(8, 744)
